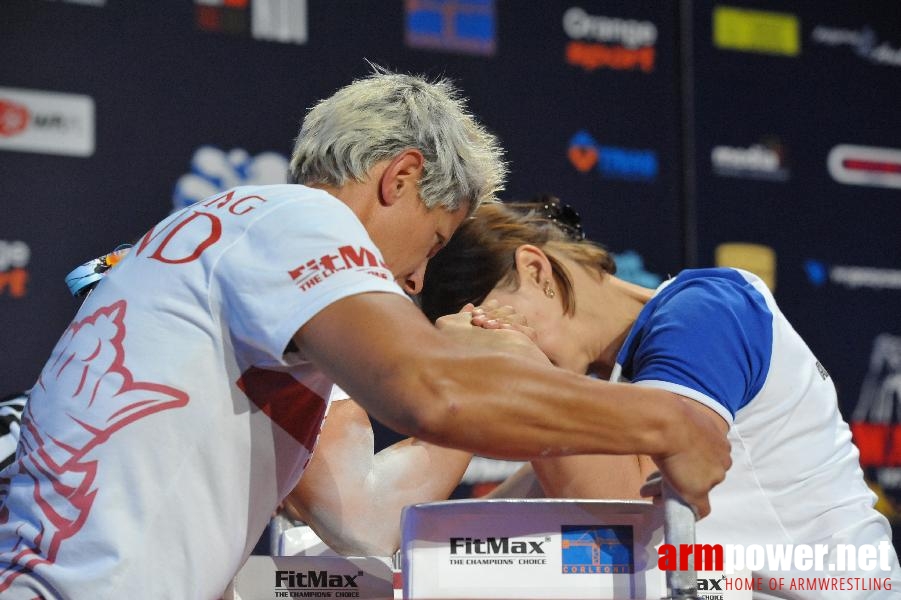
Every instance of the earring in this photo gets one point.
(548, 290)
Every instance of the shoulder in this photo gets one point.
(699, 289)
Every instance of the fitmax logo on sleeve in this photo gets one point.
(612, 162)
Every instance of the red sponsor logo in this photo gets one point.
(84, 395)
(879, 443)
(13, 282)
(315, 271)
(591, 56)
(13, 118)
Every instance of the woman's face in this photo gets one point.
(553, 329)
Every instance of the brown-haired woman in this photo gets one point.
(713, 337)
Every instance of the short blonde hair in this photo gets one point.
(380, 116)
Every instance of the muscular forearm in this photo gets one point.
(496, 398)
(537, 411)
(603, 476)
(353, 498)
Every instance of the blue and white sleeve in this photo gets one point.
(711, 341)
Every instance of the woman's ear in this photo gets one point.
(401, 176)
(533, 266)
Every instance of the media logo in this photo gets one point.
(863, 42)
(765, 161)
(459, 26)
(865, 165)
(214, 170)
(600, 42)
(14, 256)
(853, 277)
(756, 258)
(597, 549)
(758, 31)
(46, 122)
(283, 21)
(612, 162)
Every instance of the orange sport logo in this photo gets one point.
(599, 42)
(14, 256)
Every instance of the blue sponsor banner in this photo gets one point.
(597, 549)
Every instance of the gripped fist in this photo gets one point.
(497, 328)
(697, 462)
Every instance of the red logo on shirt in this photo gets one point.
(293, 406)
(84, 395)
(315, 271)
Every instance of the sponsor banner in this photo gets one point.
(457, 26)
(602, 42)
(876, 422)
(756, 258)
(532, 549)
(865, 165)
(283, 21)
(14, 275)
(764, 161)
(864, 43)
(613, 162)
(274, 577)
(214, 170)
(756, 31)
(819, 274)
(46, 122)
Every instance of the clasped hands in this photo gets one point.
(495, 326)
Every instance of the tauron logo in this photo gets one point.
(315, 579)
(494, 545)
(611, 162)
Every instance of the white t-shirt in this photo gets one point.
(169, 422)
(717, 336)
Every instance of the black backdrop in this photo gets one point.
(677, 129)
